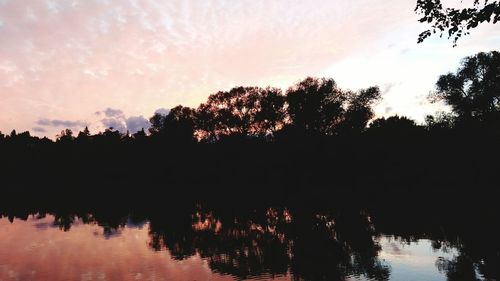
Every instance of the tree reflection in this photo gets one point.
(309, 243)
(470, 232)
(273, 242)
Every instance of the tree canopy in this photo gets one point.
(319, 106)
(455, 22)
(244, 111)
(313, 106)
(178, 125)
(312, 134)
(473, 91)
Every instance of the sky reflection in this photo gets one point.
(37, 249)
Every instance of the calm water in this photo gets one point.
(267, 244)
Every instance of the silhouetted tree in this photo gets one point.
(359, 110)
(85, 132)
(473, 92)
(454, 21)
(157, 123)
(271, 113)
(46, 141)
(394, 125)
(65, 136)
(178, 125)
(23, 139)
(139, 135)
(315, 134)
(318, 106)
(109, 137)
(243, 111)
(440, 122)
(83, 136)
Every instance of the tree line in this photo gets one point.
(312, 107)
(302, 135)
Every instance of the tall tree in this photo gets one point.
(454, 21)
(178, 124)
(65, 136)
(157, 123)
(473, 91)
(394, 126)
(139, 135)
(244, 111)
(359, 110)
(316, 105)
(319, 106)
(270, 114)
(84, 135)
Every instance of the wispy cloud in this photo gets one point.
(39, 130)
(60, 123)
(111, 112)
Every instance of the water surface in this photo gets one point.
(267, 244)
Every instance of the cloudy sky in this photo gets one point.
(101, 63)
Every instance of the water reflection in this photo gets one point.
(263, 243)
(87, 252)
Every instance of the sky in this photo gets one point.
(113, 63)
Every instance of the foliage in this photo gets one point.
(453, 21)
(178, 125)
(394, 125)
(320, 107)
(245, 111)
(473, 91)
(440, 121)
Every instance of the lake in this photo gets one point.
(265, 243)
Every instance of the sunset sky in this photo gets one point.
(101, 63)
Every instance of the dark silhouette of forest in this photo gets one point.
(315, 135)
